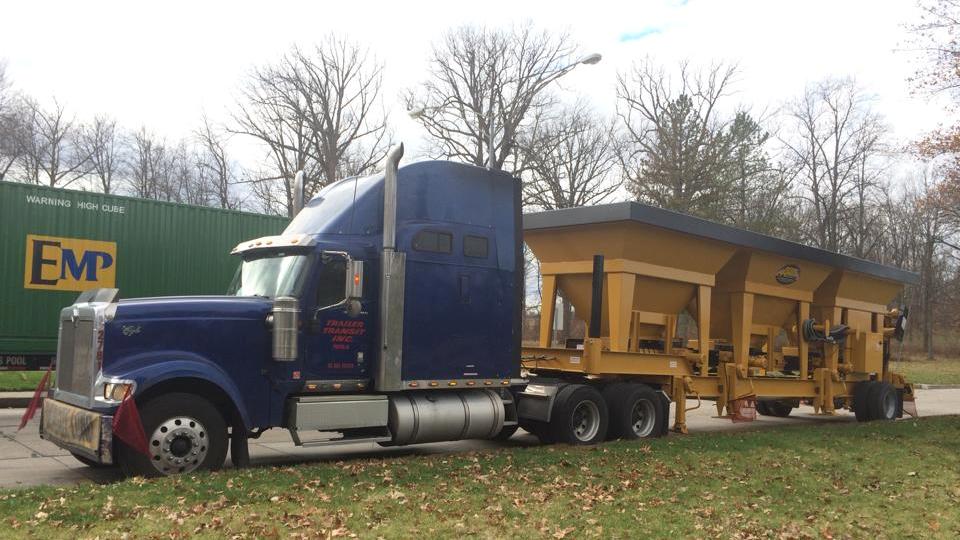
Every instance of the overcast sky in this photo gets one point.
(161, 64)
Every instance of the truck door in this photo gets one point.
(338, 346)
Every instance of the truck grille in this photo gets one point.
(75, 357)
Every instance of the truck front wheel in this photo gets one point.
(184, 433)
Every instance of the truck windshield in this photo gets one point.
(271, 275)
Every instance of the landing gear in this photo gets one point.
(184, 433)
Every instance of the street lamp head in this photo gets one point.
(591, 59)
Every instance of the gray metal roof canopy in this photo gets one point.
(675, 221)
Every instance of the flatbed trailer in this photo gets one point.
(777, 322)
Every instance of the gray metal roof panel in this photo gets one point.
(675, 221)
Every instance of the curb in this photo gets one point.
(938, 386)
(15, 400)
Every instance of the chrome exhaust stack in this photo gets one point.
(393, 264)
(297, 194)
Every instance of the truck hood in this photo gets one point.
(190, 307)
(226, 331)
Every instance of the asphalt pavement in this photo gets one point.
(26, 459)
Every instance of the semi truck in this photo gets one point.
(55, 243)
(389, 311)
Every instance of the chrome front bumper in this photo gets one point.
(80, 431)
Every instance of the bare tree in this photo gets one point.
(677, 151)
(104, 144)
(320, 112)
(863, 223)
(9, 124)
(214, 167)
(484, 81)
(568, 160)
(148, 166)
(48, 145)
(837, 138)
(263, 115)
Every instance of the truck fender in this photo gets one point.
(166, 367)
(536, 401)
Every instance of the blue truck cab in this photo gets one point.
(389, 310)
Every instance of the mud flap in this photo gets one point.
(664, 413)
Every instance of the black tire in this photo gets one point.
(762, 408)
(506, 432)
(198, 418)
(778, 409)
(91, 463)
(579, 416)
(882, 401)
(540, 430)
(635, 410)
(860, 408)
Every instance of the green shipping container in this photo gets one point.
(55, 243)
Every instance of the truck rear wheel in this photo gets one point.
(184, 433)
(580, 415)
(636, 411)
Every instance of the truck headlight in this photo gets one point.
(116, 391)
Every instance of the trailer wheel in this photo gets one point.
(882, 401)
(185, 433)
(636, 411)
(580, 415)
(762, 408)
(860, 408)
(774, 408)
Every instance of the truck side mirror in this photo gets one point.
(354, 286)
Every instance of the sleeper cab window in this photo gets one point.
(476, 246)
(433, 242)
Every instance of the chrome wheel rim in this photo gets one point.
(586, 421)
(643, 417)
(178, 445)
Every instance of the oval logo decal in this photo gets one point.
(788, 275)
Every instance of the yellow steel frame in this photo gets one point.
(677, 373)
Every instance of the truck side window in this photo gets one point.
(475, 246)
(332, 281)
(433, 242)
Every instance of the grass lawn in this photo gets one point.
(19, 381)
(944, 370)
(886, 480)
